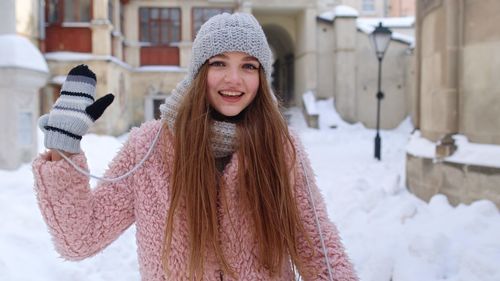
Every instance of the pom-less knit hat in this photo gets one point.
(238, 32)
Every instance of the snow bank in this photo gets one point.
(388, 233)
(341, 11)
(467, 153)
(18, 51)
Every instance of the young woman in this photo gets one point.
(220, 189)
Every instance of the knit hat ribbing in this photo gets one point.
(231, 32)
(238, 32)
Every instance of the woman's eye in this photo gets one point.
(250, 66)
(216, 63)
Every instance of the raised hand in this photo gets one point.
(74, 111)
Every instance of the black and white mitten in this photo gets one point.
(74, 111)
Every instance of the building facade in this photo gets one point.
(379, 8)
(140, 50)
(23, 71)
(457, 97)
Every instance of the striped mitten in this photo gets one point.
(74, 111)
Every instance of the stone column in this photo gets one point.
(345, 67)
(305, 54)
(245, 7)
(20, 80)
(131, 30)
(101, 29)
(186, 37)
(117, 42)
(7, 17)
(452, 49)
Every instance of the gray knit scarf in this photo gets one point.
(223, 133)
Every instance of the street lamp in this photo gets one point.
(380, 39)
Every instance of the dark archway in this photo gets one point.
(283, 67)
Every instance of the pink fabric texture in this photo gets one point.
(84, 220)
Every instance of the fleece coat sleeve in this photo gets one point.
(314, 263)
(81, 220)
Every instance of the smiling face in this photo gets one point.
(232, 82)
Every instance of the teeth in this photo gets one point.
(231, 94)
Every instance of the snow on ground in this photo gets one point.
(388, 232)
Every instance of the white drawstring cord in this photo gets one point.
(87, 173)
(327, 260)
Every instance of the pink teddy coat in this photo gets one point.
(84, 220)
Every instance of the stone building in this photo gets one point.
(23, 71)
(379, 8)
(140, 49)
(457, 100)
(348, 68)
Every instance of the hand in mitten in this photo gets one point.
(74, 111)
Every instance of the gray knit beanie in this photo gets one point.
(238, 32)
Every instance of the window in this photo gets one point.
(160, 26)
(368, 6)
(59, 11)
(111, 12)
(201, 15)
(77, 10)
(68, 26)
(53, 15)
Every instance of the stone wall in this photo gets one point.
(458, 68)
(457, 92)
(479, 101)
(348, 71)
(460, 183)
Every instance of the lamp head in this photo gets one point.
(380, 39)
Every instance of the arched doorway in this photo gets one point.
(283, 67)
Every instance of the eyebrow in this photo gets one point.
(247, 58)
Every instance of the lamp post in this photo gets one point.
(380, 39)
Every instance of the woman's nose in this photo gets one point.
(232, 75)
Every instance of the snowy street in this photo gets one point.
(388, 232)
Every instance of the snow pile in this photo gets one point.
(341, 11)
(390, 22)
(368, 29)
(388, 232)
(309, 103)
(17, 51)
(467, 153)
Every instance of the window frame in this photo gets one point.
(370, 3)
(60, 9)
(170, 24)
(194, 28)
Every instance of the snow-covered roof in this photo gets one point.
(340, 11)
(367, 25)
(392, 22)
(18, 51)
(407, 39)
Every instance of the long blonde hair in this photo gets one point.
(264, 147)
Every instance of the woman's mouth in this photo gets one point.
(231, 96)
